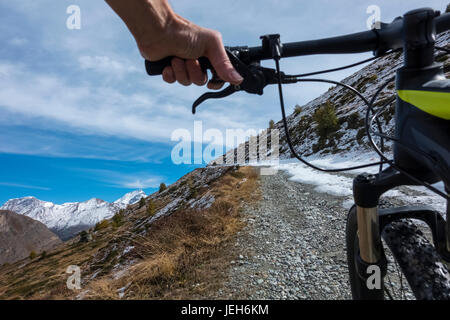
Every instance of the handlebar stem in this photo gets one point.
(272, 46)
(419, 36)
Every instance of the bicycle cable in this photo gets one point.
(334, 69)
(344, 67)
(288, 138)
(384, 159)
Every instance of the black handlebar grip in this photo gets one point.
(155, 68)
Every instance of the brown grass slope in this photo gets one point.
(175, 245)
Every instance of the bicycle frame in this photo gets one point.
(421, 120)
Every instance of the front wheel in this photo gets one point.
(416, 258)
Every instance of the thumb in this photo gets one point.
(219, 59)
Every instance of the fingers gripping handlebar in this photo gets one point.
(256, 77)
(156, 68)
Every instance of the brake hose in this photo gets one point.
(370, 104)
(288, 138)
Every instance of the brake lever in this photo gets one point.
(214, 95)
(240, 67)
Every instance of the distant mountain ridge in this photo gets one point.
(67, 219)
(21, 235)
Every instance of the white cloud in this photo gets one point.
(142, 183)
(23, 186)
(104, 64)
(135, 180)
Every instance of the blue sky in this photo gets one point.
(79, 118)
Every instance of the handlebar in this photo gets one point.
(388, 37)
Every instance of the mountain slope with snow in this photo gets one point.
(130, 198)
(68, 219)
(348, 133)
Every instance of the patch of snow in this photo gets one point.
(324, 182)
(127, 249)
(167, 209)
(95, 274)
(204, 202)
(340, 185)
(121, 291)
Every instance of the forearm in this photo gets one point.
(146, 19)
(160, 33)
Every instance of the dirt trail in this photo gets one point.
(292, 247)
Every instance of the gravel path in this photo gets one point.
(293, 246)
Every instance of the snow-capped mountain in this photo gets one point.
(69, 218)
(130, 198)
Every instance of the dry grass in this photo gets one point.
(183, 256)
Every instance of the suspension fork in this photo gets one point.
(367, 190)
(369, 234)
(366, 195)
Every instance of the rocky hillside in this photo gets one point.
(170, 245)
(21, 237)
(68, 219)
(334, 122)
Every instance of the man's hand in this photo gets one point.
(160, 33)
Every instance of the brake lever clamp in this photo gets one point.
(256, 78)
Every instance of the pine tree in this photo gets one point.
(141, 203)
(151, 208)
(162, 187)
